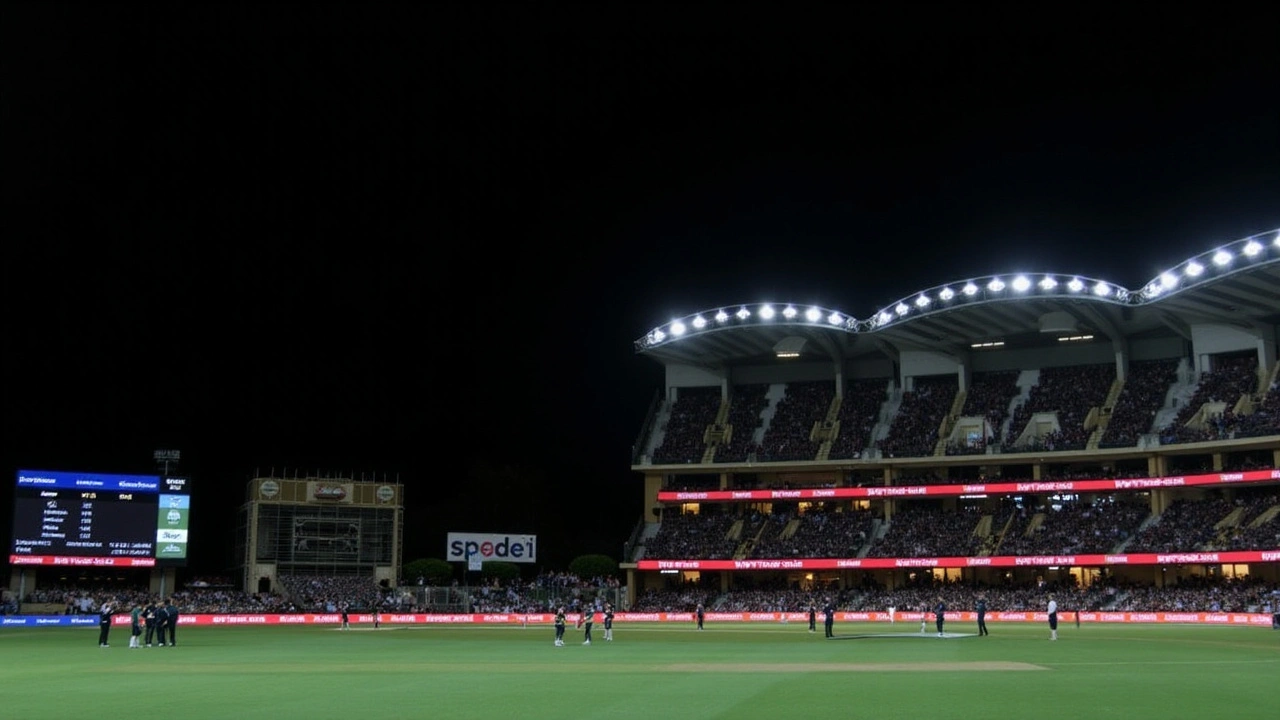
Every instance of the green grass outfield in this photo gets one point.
(668, 672)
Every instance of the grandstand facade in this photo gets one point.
(1014, 429)
(320, 527)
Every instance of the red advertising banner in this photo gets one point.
(546, 619)
(82, 561)
(1002, 488)
(1186, 558)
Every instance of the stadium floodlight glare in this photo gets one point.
(1261, 249)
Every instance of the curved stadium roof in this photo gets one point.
(1236, 283)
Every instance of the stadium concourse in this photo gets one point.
(1004, 436)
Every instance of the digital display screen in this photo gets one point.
(73, 518)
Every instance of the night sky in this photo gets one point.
(421, 243)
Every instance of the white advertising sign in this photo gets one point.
(468, 547)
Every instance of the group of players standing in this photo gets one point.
(828, 617)
(939, 615)
(585, 623)
(158, 619)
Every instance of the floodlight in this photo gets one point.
(1194, 269)
(1252, 248)
(766, 312)
(1168, 280)
(1101, 289)
(1048, 283)
(996, 285)
(884, 317)
(677, 328)
(699, 322)
(1075, 285)
(901, 309)
(1222, 257)
(722, 317)
(813, 314)
(922, 301)
(946, 294)
(1021, 283)
(970, 289)
(743, 313)
(835, 318)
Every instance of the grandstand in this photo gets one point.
(1015, 429)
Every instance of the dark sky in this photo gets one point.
(421, 242)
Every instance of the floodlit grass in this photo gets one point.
(738, 672)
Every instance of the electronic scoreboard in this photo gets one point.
(75, 518)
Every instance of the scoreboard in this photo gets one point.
(73, 518)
